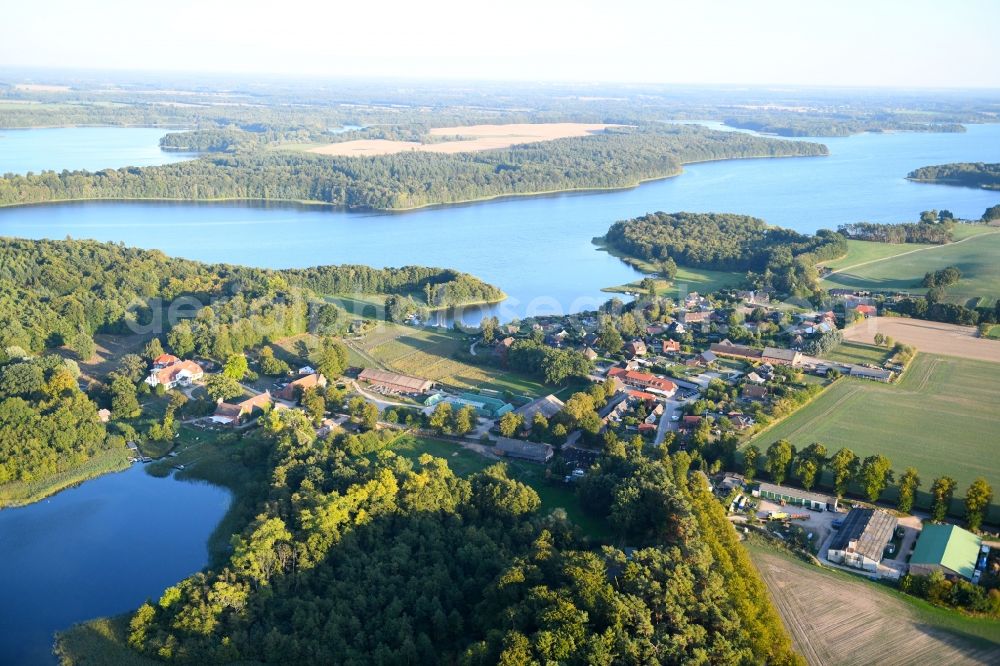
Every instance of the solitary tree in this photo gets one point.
(124, 403)
(222, 387)
(908, 484)
(977, 500)
(875, 475)
(509, 423)
(465, 420)
(331, 359)
(750, 456)
(236, 367)
(844, 465)
(942, 491)
(369, 416)
(779, 455)
(153, 349)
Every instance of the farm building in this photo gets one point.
(728, 349)
(862, 539)
(547, 406)
(945, 548)
(395, 382)
(295, 389)
(779, 356)
(516, 448)
(794, 496)
(874, 374)
(485, 406)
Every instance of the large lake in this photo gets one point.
(91, 148)
(99, 549)
(538, 249)
(104, 547)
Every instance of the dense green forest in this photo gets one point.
(382, 560)
(47, 424)
(966, 174)
(823, 126)
(782, 258)
(616, 158)
(51, 292)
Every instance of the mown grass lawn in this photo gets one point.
(857, 352)
(941, 418)
(429, 353)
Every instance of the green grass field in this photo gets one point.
(701, 280)
(941, 418)
(858, 352)
(897, 267)
(428, 353)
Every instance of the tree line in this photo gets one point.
(872, 475)
(935, 232)
(616, 158)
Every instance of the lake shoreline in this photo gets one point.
(68, 479)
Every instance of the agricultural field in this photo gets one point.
(975, 253)
(838, 618)
(861, 252)
(933, 337)
(428, 353)
(935, 419)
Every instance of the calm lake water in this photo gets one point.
(91, 148)
(99, 549)
(538, 249)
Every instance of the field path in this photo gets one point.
(836, 620)
(903, 254)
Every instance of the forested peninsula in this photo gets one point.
(964, 174)
(56, 295)
(777, 258)
(616, 158)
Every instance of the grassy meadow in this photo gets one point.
(899, 267)
(941, 418)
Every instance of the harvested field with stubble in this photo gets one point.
(472, 138)
(836, 618)
(932, 337)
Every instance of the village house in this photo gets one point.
(861, 540)
(104, 415)
(688, 317)
(294, 390)
(740, 420)
(644, 380)
(179, 373)
(502, 348)
(395, 382)
(163, 360)
(237, 413)
(635, 348)
(671, 346)
(866, 310)
(589, 354)
(753, 393)
(689, 423)
(779, 356)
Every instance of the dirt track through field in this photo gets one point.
(931, 337)
(833, 620)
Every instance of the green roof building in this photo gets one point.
(945, 548)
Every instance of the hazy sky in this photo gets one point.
(908, 43)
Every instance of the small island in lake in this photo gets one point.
(962, 174)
